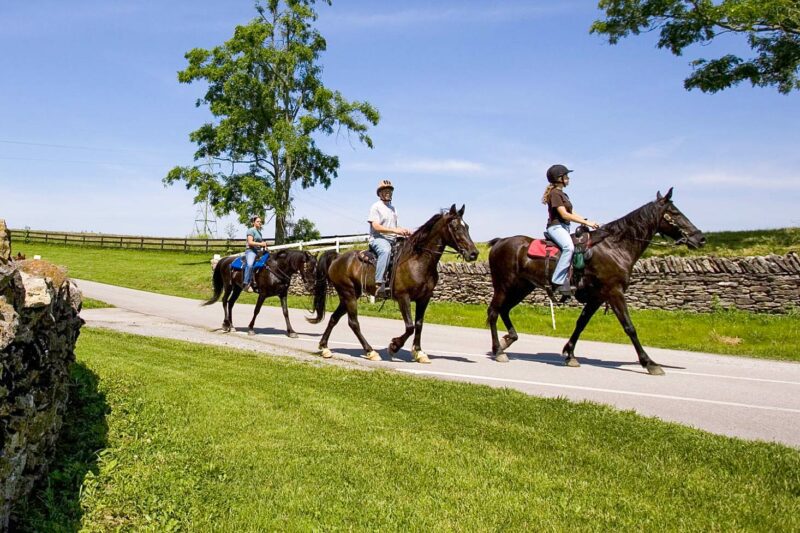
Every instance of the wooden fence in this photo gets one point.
(172, 244)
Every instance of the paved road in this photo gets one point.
(736, 396)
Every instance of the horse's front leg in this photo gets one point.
(259, 302)
(404, 302)
(620, 308)
(325, 352)
(586, 315)
(416, 348)
(289, 331)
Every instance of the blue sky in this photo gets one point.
(477, 99)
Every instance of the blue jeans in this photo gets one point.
(383, 249)
(249, 258)
(559, 233)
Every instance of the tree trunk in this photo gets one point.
(280, 228)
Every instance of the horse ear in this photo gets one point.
(658, 195)
(461, 211)
(669, 194)
(453, 209)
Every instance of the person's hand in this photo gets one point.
(403, 232)
(592, 224)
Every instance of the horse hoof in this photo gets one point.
(373, 356)
(655, 370)
(292, 335)
(251, 332)
(226, 329)
(393, 348)
(420, 357)
(505, 342)
(501, 357)
(326, 353)
(571, 361)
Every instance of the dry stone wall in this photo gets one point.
(39, 325)
(768, 284)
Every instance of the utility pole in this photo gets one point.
(205, 222)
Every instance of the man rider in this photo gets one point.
(383, 230)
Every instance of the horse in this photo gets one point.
(414, 279)
(606, 277)
(20, 257)
(273, 280)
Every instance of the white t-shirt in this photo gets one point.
(386, 216)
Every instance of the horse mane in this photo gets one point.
(638, 224)
(294, 258)
(423, 232)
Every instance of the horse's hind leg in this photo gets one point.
(335, 316)
(569, 349)
(226, 322)
(351, 304)
(501, 305)
(259, 303)
(620, 308)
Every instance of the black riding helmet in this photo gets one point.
(556, 172)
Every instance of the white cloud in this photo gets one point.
(715, 179)
(428, 166)
(660, 149)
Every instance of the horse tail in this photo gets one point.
(217, 282)
(493, 242)
(321, 285)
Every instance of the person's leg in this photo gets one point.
(249, 259)
(560, 235)
(383, 249)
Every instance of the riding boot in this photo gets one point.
(383, 291)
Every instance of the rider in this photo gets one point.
(383, 230)
(560, 214)
(255, 242)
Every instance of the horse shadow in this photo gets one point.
(54, 502)
(556, 359)
(273, 331)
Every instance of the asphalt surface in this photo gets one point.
(735, 396)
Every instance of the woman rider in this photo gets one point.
(559, 215)
(255, 242)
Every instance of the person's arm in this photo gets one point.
(403, 232)
(575, 217)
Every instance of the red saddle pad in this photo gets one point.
(539, 248)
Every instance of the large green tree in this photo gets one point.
(771, 27)
(269, 103)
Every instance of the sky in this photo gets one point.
(477, 99)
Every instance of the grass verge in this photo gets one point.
(189, 275)
(202, 438)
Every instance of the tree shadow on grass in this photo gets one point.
(54, 502)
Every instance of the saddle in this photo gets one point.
(583, 239)
(261, 262)
(369, 257)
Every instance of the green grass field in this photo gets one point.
(166, 436)
(189, 275)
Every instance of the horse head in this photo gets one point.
(675, 225)
(308, 272)
(457, 235)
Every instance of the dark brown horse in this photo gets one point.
(606, 278)
(413, 281)
(273, 280)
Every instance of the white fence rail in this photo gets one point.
(320, 245)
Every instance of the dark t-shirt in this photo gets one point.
(556, 198)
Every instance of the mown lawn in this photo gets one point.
(166, 435)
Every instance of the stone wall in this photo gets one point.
(768, 284)
(39, 325)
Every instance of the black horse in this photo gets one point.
(274, 280)
(414, 280)
(606, 277)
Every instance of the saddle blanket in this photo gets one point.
(238, 263)
(539, 248)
